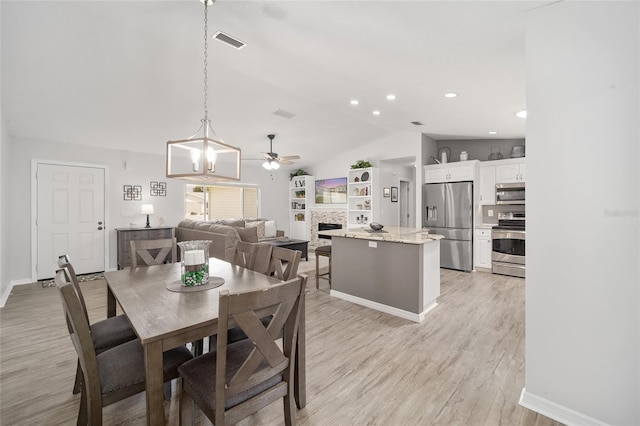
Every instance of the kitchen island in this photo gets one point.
(396, 270)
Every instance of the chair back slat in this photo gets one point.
(163, 248)
(284, 262)
(254, 256)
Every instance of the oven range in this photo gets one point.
(508, 241)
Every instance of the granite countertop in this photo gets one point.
(392, 234)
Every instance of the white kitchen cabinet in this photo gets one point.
(511, 173)
(487, 178)
(483, 248)
(300, 199)
(451, 172)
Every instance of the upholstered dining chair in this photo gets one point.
(164, 250)
(114, 374)
(105, 334)
(237, 380)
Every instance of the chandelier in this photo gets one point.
(203, 157)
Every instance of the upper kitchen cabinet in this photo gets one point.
(487, 185)
(451, 172)
(512, 171)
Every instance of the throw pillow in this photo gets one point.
(259, 224)
(248, 235)
(270, 228)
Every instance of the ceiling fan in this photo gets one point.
(273, 160)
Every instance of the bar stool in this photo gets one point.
(323, 251)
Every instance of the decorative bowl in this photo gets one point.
(376, 226)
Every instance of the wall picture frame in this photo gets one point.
(386, 192)
(394, 194)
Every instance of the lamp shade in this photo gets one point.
(147, 209)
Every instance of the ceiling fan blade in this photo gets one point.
(281, 161)
(290, 157)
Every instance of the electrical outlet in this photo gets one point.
(373, 244)
(490, 213)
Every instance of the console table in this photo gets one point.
(125, 235)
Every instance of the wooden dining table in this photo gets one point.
(165, 319)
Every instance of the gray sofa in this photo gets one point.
(223, 234)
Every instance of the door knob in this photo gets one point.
(99, 223)
(99, 228)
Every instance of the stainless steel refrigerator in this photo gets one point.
(448, 211)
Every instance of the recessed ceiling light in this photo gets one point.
(391, 97)
(376, 112)
(450, 95)
(354, 102)
(522, 114)
(493, 133)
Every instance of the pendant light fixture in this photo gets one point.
(203, 157)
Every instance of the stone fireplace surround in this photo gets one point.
(325, 216)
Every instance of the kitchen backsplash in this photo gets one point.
(493, 220)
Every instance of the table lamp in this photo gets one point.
(147, 209)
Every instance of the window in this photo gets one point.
(209, 202)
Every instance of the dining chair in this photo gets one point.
(153, 252)
(237, 380)
(105, 334)
(114, 374)
(284, 263)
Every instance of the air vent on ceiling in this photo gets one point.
(285, 114)
(416, 123)
(231, 41)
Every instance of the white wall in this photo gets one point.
(583, 276)
(390, 175)
(125, 168)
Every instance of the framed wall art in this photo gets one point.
(158, 189)
(394, 194)
(132, 192)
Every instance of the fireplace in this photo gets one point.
(327, 227)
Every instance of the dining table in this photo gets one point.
(164, 319)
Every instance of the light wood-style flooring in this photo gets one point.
(464, 365)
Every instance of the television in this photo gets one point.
(331, 191)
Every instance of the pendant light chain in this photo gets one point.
(206, 23)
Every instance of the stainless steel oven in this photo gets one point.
(508, 242)
(510, 193)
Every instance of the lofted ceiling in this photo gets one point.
(129, 74)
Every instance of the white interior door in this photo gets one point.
(70, 218)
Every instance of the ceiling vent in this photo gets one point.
(227, 39)
(417, 123)
(285, 114)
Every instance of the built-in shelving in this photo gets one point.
(361, 203)
(300, 200)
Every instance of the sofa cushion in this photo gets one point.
(233, 222)
(187, 223)
(270, 229)
(259, 225)
(229, 231)
(248, 235)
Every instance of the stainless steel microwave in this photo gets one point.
(510, 193)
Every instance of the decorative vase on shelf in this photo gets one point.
(194, 263)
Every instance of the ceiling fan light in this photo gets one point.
(267, 165)
(275, 166)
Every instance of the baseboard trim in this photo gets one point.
(5, 296)
(383, 308)
(556, 411)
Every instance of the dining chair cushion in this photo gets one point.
(111, 332)
(199, 374)
(123, 366)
